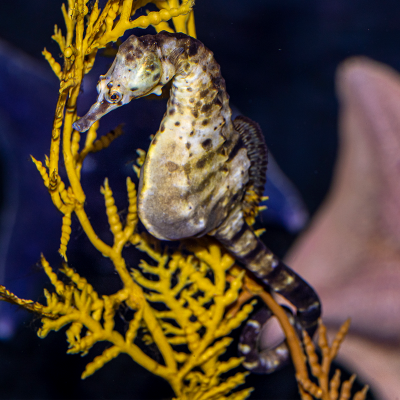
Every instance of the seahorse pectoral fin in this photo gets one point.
(97, 110)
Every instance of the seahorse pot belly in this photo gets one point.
(203, 170)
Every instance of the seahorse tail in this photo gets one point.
(257, 360)
(285, 282)
(240, 240)
(292, 287)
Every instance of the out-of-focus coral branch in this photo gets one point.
(326, 389)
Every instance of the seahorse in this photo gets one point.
(202, 171)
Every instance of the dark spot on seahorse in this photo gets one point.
(151, 67)
(190, 154)
(129, 57)
(201, 163)
(207, 158)
(225, 168)
(154, 141)
(171, 166)
(179, 35)
(188, 145)
(147, 40)
(204, 68)
(195, 113)
(134, 89)
(189, 89)
(206, 182)
(215, 128)
(187, 168)
(204, 93)
(109, 85)
(191, 133)
(205, 122)
(198, 103)
(206, 108)
(177, 123)
(194, 122)
(193, 48)
(235, 197)
(180, 137)
(191, 100)
(217, 80)
(156, 76)
(186, 67)
(171, 111)
(207, 144)
(162, 128)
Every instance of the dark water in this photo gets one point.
(279, 60)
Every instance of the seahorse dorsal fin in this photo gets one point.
(175, 54)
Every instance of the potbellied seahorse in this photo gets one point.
(202, 171)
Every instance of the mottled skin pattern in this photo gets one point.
(201, 167)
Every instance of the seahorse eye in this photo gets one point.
(113, 97)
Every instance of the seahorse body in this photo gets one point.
(200, 164)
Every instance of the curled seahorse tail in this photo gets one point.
(239, 239)
(262, 361)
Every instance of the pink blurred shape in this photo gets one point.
(351, 251)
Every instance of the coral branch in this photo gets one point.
(29, 305)
(65, 235)
(55, 66)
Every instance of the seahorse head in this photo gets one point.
(135, 72)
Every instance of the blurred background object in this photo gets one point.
(351, 251)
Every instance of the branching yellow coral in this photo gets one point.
(193, 315)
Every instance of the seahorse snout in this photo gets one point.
(97, 110)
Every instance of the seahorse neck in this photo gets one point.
(198, 90)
